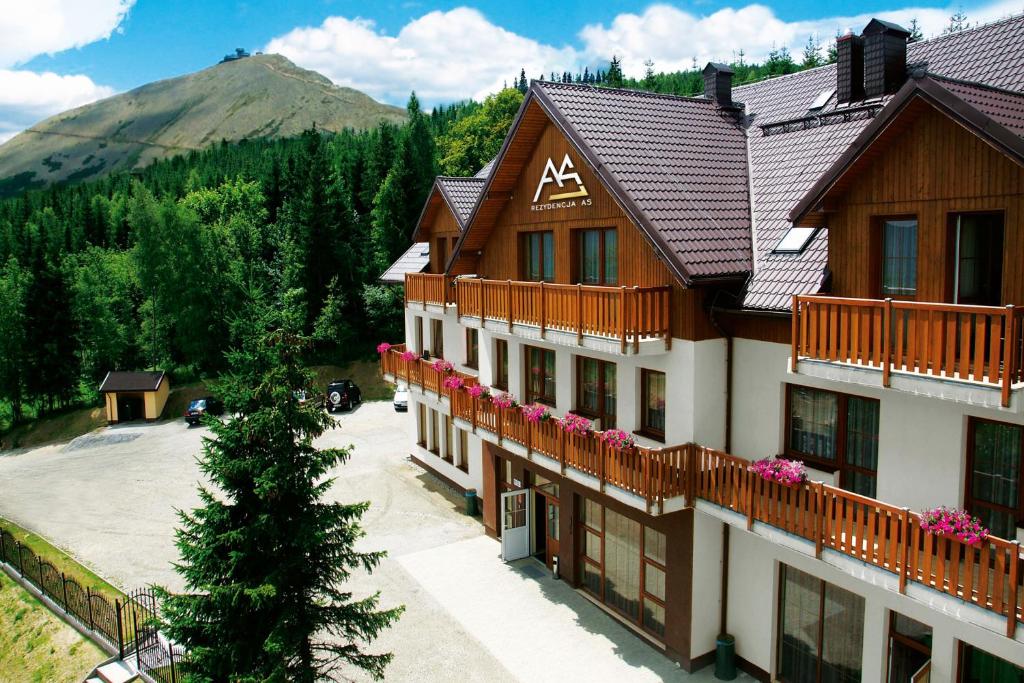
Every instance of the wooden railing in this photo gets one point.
(975, 343)
(890, 538)
(428, 288)
(627, 314)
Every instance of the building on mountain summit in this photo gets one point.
(644, 295)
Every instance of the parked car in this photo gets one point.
(401, 398)
(343, 393)
(207, 405)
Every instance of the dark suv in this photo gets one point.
(202, 406)
(342, 393)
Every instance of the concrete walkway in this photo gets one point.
(110, 498)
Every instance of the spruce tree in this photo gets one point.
(613, 79)
(915, 31)
(265, 559)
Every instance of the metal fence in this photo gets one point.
(130, 626)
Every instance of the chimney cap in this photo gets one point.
(717, 66)
(881, 26)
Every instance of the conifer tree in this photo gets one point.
(915, 31)
(812, 53)
(265, 560)
(614, 78)
(957, 22)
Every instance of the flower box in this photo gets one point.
(536, 413)
(479, 391)
(505, 400)
(408, 356)
(453, 382)
(617, 438)
(960, 524)
(577, 424)
(781, 470)
(442, 366)
(383, 347)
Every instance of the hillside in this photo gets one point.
(260, 96)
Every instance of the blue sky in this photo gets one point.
(55, 54)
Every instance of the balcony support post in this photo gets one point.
(622, 320)
(667, 322)
(543, 311)
(483, 315)
(561, 452)
(473, 416)
(794, 333)
(647, 483)
(886, 342)
(904, 548)
(579, 314)
(819, 518)
(508, 304)
(636, 319)
(751, 482)
(1011, 599)
(1009, 336)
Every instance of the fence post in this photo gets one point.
(622, 319)
(602, 453)
(636, 319)
(543, 311)
(794, 333)
(579, 314)
(499, 415)
(1009, 332)
(751, 482)
(1011, 612)
(904, 549)
(561, 451)
(819, 518)
(647, 482)
(42, 584)
(120, 629)
(474, 413)
(135, 632)
(886, 342)
(508, 303)
(21, 560)
(64, 585)
(3, 550)
(88, 602)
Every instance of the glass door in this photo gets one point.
(978, 258)
(515, 527)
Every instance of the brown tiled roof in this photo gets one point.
(678, 165)
(461, 194)
(1002, 107)
(785, 165)
(131, 381)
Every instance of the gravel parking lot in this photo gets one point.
(110, 499)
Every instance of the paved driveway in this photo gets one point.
(110, 498)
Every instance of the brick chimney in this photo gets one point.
(718, 84)
(849, 68)
(885, 57)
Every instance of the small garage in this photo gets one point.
(133, 396)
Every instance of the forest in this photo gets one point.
(147, 269)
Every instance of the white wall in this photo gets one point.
(707, 584)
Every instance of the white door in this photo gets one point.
(515, 525)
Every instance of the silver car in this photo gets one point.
(401, 398)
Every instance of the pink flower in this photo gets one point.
(781, 470)
(536, 413)
(383, 347)
(505, 400)
(945, 521)
(577, 424)
(442, 366)
(408, 356)
(617, 438)
(453, 382)
(479, 391)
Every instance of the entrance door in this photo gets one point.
(978, 258)
(551, 519)
(515, 527)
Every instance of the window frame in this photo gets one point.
(878, 256)
(437, 340)
(645, 429)
(472, 348)
(600, 414)
(524, 255)
(500, 379)
(532, 397)
(577, 241)
(906, 641)
(840, 464)
(970, 501)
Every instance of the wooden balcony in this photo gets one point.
(628, 315)
(981, 344)
(889, 538)
(428, 288)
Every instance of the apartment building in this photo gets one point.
(821, 266)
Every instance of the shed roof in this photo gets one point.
(415, 260)
(131, 381)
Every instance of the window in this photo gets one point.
(540, 375)
(910, 648)
(436, 338)
(472, 348)
(808, 651)
(421, 425)
(978, 258)
(463, 450)
(622, 564)
(978, 666)
(500, 364)
(652, 411)
(435, 437)
(418, 335)
(441, 258)
(994, 453)
(835, 433)
(538, 256)
(449, 439)
(595, 390)
(899, 257)
(795, 240)
(598, 257)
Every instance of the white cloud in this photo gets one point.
(29, 29)
(673, 38)
(33, 27)
(443, 56)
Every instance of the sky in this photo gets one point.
(59, 54)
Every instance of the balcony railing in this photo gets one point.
(627, 314)
(970, 343)
(428, 288)
(988, 575)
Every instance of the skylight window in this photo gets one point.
(822, 99)
(795, 240)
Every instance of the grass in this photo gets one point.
(36, 646)
(54, 428)
(61, 561)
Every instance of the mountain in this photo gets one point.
(258, 96)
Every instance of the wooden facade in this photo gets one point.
(932, 168)
(499, 242)
(440, 228)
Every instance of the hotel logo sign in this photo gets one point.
(564, 178)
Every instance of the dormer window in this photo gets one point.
(795, 240)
